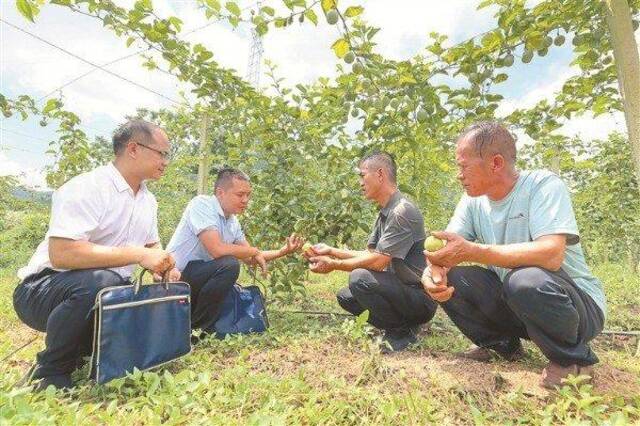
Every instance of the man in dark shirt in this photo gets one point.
(385, 279)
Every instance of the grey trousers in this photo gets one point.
(532, 303)
(392, 304)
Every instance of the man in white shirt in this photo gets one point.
(103, 223)
(208, 244)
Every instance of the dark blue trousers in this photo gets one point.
(60, 304)
(210, 282)
(532, 303)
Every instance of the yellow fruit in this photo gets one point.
(433, 244)
(307, 246)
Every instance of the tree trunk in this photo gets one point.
(625, 53)
(203, 165)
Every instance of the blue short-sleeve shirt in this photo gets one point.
(538, 205)
(202, 213)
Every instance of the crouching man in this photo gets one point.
(537, 285)
(103, 223)
(209, 244)
(385, 279)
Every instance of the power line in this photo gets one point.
(89, 72)
(194, 30)
(91, 63)
(23, 134)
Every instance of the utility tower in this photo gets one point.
(255, 56)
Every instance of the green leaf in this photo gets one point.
(214, 4)
(50, 106)
(311, 15)
(327, 5)
(130, 41)
(340, 47)
(353, 11)
(24, 7)
(267, 10)
(233, 8)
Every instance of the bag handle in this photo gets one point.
(137, 283)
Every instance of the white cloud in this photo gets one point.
(28, 176)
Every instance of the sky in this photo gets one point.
(301, 52)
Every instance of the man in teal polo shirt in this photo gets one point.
(537, 285)
(209, 243)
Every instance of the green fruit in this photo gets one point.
(607, 60)
(576, 40)
(508, 60)
(393, 104)
(43, 122)
(527, 56)
(543, 52)
(349, 57)
(422, 115)
(358, 68)
(432, 243)
(332, 17)
(559, 40)
(354, 112)
(548, 41)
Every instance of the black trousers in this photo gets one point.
(60, 304)
(532, 303)
(391, 303)
(210, 282)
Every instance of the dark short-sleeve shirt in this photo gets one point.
(399, 232)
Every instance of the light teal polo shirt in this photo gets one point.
(202, 213)
(538, 205)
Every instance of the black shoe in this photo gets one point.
(59, 381)
(398, 339)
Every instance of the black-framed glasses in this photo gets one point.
(164, 154)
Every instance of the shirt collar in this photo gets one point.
(218, 208)
(395, 197)
(119, 182)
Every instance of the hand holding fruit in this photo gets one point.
(320, 249)
(455, 250)
(321, 264)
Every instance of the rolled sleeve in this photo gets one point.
(551, 212)
(75, 213)
(202, 218)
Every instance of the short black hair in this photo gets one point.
(137, 130)
(226, 175)
(382, 159)
(493, 138)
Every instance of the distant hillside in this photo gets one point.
(32, 195)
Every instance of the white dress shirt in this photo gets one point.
(100, 207)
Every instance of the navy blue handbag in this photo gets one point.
(139, 326)
(242, 312)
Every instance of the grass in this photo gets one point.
(311, 369)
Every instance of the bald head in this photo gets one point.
(489, 138)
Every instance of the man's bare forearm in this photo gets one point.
(273, 254)
(236, 250)
(346, 254)
(71, 254)
(366, 260)
(542, 253)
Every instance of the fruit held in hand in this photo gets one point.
(307, 246)
(433, 244)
